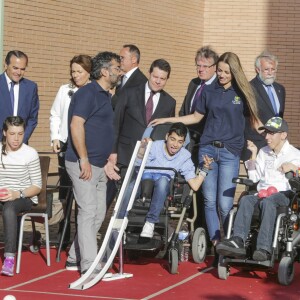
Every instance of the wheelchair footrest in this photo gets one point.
(135, 242)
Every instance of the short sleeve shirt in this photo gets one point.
(224, 110)
(92, 103)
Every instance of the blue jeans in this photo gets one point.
(268, 207)
(218, 189)
(160, 193)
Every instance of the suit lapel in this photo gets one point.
(263, 95)
(22, 92)
(5, 94)
(279, 95)
(140, 94)
(190, 97)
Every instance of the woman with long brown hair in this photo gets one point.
(225, 106)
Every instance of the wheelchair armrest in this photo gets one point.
(295, 184)
(245, 181)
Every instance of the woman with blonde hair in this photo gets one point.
(225, 106)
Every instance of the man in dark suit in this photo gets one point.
(18, 95)
(205, 61)
(132, 75)
(270, 98)
(137, 106)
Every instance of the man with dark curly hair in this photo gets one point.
(91, 140)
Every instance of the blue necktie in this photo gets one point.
(272, 99)
(12, 95)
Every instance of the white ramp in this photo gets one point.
(118, 222)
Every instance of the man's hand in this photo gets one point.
(85, 169)
(288, 167)
(252, 147)
(110, 170)
(56, 146)
(158, 121)
(207, 161)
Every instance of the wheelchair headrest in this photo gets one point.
(159, 132)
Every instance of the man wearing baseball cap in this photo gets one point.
(268, 168)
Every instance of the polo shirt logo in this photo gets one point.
(236, 100)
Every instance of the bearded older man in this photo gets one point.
(270, 98)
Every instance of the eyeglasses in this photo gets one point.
(204, 66)
(264, 134)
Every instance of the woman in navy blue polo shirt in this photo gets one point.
(225, 105)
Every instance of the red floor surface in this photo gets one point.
(151, 280)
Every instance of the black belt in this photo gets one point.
(218, 144)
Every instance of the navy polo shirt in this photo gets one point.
(92, 103)
(225, 120)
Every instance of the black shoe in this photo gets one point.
(216, 259)
(72, 266)
(233, 247)
(261, 255)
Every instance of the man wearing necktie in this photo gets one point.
(133, 76)
(270, 98)
(205, 61)
(137, 106)
(18, 95)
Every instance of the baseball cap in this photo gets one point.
(275, 124)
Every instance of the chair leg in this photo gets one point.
(47, 239)
(20, 245)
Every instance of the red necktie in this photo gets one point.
(149, 107)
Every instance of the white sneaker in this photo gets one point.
(148, 230)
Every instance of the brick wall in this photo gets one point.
(52, 32)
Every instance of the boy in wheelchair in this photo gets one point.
(268, 168)
(169, 153)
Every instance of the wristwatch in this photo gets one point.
(22, 195)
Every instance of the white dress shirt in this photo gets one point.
(16, 93)
(266, 167)
(155, 98)
(59, 113)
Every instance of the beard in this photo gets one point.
(268, 80)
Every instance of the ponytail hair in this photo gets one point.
(9, 121)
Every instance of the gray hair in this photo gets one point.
(265, 55)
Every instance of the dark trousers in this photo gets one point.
(10, 211)
(65, 181)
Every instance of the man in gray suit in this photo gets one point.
(270, 98)
(132, 113)
(132, 75)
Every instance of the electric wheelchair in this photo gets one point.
(286, 238)
(165, 242)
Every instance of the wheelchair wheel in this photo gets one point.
(223, 269)
(173, 261)
(286, 270)
(199, 245)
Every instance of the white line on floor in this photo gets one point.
(34, 280)
(177, 284)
